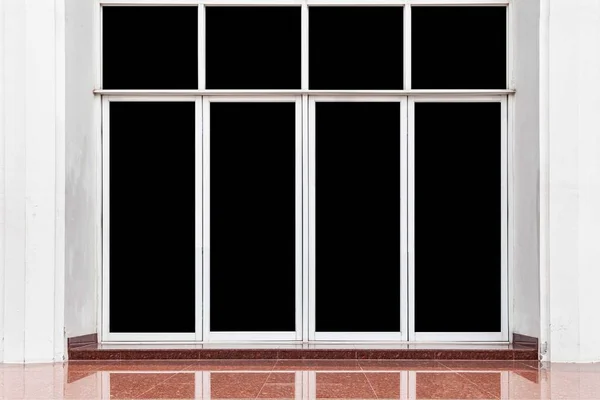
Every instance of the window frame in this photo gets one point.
(310, 260)
(106, 334)
(304, 97)
(304, 4)
(503, 335)
(204, 186)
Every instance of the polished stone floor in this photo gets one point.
(300, 379)
(311, 351)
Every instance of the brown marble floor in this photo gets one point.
(300, 379)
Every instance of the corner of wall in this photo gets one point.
(81, 171)
(544, 138)
(525, 169)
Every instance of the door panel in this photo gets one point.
(152, 217)
(357, 217)
(458, 217)
(252, 217)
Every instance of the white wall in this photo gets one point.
(573, 137)
(525, 150)
(81, 179)
(47, 177)
(42, 84)
(32, 166)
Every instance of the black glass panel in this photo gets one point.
(152, 217)
(252, 217)
(253, 47)
(457, 217)
(459, 48)
(357, 217)
(150, 47)
(355, 48)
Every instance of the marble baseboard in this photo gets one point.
(97, 352)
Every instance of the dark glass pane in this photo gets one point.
(252, 217)
(253, 47)
(150, 47)
(355, 48)
(357, 217)
(459, 48)
(152, 217)
(457, 217)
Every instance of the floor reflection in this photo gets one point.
(288, 379)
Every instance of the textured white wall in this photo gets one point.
(32, 259)
(82, 109)
(525, 150)
(574, 180)
(47, 177)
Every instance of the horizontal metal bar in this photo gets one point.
(460, 2)
(321, 344)
(148, 3)
(406, 2)
(413, 92)
(356, 3)
(309, 2)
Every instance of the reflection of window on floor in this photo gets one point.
(309, 385)
(152, 385)
(463, 384)
(225, 385)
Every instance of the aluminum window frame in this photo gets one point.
(310, 224)
(304, 4)
(209, 335)
(105, 334)
(503, 335)
(304, 96)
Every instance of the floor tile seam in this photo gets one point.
(360, 366)
(536, 368)
(191, 364)
(370, 384)
(444, 365)
(264, 383)
(157, 384)
(275, 363)
(465, 378)
(461, 374)
(186, 370)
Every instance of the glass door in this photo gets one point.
(357, 218)
(458, 185)
(252, 218)
(150, 217)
